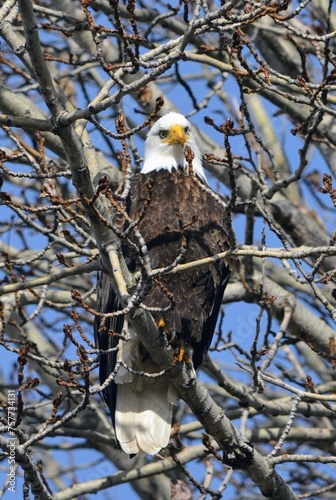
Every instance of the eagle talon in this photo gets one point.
(170, 337)
(182, 355)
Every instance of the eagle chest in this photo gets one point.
(173, 207)
(178, 220)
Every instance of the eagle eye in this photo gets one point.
(163, 134)
(187, 130)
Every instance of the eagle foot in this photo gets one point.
(183, 354)
(170, 336)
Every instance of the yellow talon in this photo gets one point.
(161, 324)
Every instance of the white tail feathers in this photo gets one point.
(143, 418)
(144, 405)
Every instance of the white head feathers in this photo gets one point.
(165, 143)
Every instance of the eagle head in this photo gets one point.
(165, 144)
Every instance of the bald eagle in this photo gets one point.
(180, 220)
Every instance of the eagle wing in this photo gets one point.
(106, 331)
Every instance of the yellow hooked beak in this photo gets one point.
(177, 135)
